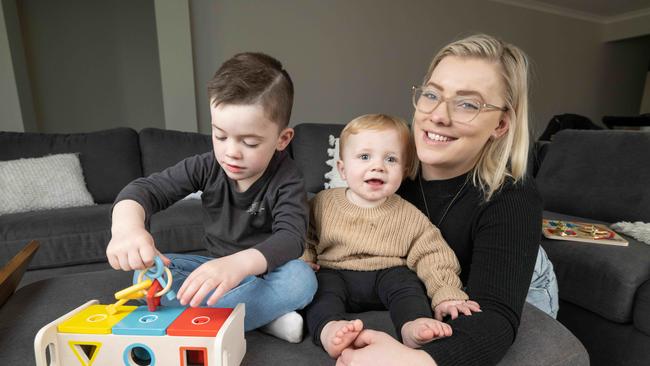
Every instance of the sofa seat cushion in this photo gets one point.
(164, 148)
(540, 341)
(67, 236)
(598, 277)
(109, 159)
(179, 228)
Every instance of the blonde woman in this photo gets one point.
(470, 128)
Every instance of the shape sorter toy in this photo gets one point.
(118, 334)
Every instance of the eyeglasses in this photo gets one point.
(460, 109)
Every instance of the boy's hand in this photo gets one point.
(133, 249)
(221, 275)
(455, 307)
(131, 246)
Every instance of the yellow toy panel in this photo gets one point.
(94, 320)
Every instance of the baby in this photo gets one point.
(373, 250)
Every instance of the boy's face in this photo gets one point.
(244, 141)
(372, 164)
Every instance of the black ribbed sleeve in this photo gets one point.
(496, 243)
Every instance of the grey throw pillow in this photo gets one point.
(54, 181)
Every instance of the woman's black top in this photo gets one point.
(496, 243)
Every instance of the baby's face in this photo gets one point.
(373, 166)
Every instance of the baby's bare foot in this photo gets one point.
(423, 330)
(338, 335)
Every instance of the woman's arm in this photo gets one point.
(506, 235)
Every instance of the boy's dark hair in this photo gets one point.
(251, 78)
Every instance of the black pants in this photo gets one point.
(397, 289)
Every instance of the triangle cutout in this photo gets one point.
(86, 352)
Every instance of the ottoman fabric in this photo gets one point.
(540, 341)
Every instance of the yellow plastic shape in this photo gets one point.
(94, 320)
(86, 352)
(135, 290)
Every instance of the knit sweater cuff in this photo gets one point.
(447, 293)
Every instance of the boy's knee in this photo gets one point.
(301, 282)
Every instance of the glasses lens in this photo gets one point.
(425, 100)
(464, 110)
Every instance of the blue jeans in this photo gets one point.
(287, 288)
(543, 291)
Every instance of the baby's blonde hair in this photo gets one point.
(508, 155)
(379, 122)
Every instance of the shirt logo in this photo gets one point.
(255, 208)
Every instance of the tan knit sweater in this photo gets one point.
(345, 236)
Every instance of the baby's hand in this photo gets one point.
(454, 307)
(221, 275)
(313, 265)
(132, 249)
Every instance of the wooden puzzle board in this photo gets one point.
(581, 232)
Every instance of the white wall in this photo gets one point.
(353, 57)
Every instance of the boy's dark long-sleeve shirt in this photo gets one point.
(271, 216)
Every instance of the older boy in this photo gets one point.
(255, 207)
(373, 250)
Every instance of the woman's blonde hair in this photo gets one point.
(506, 156)
(379, 122)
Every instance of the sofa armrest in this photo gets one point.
(641, 316)
(604, 279)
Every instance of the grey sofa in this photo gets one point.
(74, 239)
(71, 267)
(601, 176)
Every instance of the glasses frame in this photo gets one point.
(482, 106)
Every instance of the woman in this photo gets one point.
(471, 133)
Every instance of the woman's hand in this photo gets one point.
(373, 348)
(455, 307)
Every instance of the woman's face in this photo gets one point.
(447, 148)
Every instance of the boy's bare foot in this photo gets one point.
(338, 335)
(423, 330)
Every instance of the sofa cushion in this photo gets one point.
(599, 174)
(179, 228)
(598, 277)
(309, 150)
(110, 159)
(164, 148)
(68, 236)
(79, 235)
